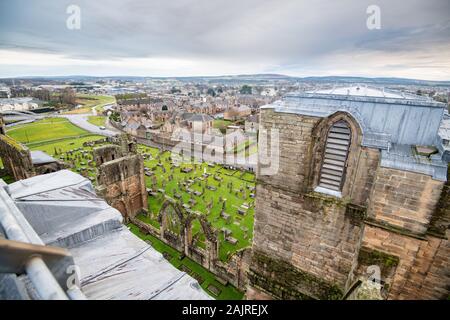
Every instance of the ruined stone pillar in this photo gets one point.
(2, 125)
(187, 239)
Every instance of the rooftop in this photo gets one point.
(384, 119)
(40, 157)
(366, 91)
(200, 117)
(367, 94)
(16, 100)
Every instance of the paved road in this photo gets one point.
(81, 120)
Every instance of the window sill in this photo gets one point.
(329, 192)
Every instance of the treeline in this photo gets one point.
(128, 96)
(67, 96)
(245, 89)
(41, 94)
(62, 98)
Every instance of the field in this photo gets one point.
(45, 130)
(88, 101)
(58, 137)
(222, 124)
(97, 120)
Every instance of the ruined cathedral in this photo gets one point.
(361, 188)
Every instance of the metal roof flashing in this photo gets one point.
(412, 120)
(405, 157)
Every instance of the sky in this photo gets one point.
(225, 37)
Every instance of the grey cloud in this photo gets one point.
(273, 32)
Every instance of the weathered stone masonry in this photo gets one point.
(308, 244)
(121, 177)
(2, 125)
(18, 161)
(305, 230)
(16, 158)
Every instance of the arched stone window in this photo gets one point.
(334, 162)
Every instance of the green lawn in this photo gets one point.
(222, 124)
(8, 179)
(64, 145)
(44, 130)
(228, 292)
(90, 100)
(60, 139)
(72, 152)
(97, 120)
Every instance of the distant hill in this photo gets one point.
(379, 80)
(244, 78)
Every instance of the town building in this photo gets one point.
(17, 104)
(200, 123)
(237, 112)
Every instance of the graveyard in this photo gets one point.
(224, 195)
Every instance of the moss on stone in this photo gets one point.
(13, 143)
(440, 220)
(357, 214)
(374, 257)
(328, 200)
(395, 229)
(283, 281)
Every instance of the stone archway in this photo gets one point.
(211, 238)
(170, 211)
